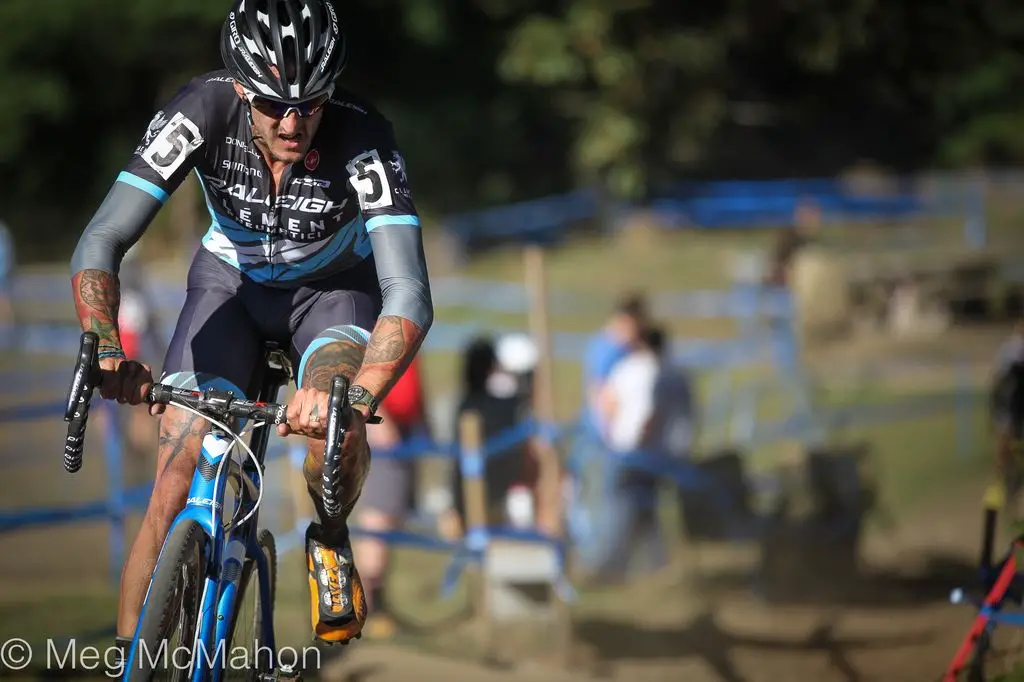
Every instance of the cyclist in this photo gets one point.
(314, 243)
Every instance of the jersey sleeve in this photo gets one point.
(164, 157)
(170, 147)
(377, 175)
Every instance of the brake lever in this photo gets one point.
(338, 417)
(76, 413)
(86, 376)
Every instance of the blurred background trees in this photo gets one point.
(502, 100)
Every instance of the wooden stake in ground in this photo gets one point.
(549, 484)
(471, 459)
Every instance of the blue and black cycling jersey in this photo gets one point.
(349, 199)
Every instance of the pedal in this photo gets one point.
(342, 643)
(284, 674)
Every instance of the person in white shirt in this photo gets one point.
(627, 398)
(648, 403)
(636, 411)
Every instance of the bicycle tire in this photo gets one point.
(265, 541)
(186, 543)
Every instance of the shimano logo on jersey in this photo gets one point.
(238, 167)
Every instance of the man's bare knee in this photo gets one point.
(181, 440)
(335, 358)
(338, 351)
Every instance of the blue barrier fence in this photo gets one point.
(735, 204)
(121, 500)
(747, 305)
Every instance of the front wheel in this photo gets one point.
(170, 616)
(247, 655)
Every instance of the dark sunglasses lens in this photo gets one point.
(310, 107)
(269, 107)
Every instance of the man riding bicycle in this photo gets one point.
(314, 244)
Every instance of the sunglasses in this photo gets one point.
(275, 109)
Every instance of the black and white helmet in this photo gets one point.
(301, 38)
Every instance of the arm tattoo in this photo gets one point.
(339, 357)
(393, 344)
(97, 298)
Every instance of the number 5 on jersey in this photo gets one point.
(369, 180)
(179, 138)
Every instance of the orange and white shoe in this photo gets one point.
(336, 593)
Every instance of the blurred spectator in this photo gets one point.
(619, 335)
(6, 277)
(388, 491)
(491, 390)
(644, 408)
(516, 356)
(1008, 407)
(806, 222)
(141, 339)
(591, 478)
(138, 317)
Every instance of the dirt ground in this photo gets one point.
(702, 623)
(895, 626)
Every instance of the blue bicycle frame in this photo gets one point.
(226, 550)
(225, 556)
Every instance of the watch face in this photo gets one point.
(357, 395)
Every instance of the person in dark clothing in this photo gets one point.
(500, 414)
(790, 241)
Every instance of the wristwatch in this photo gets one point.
(357, 395)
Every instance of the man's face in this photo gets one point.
(284, 138)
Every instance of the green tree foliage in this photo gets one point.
(658, 90)
(501, 100)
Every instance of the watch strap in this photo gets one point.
(358, 395)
